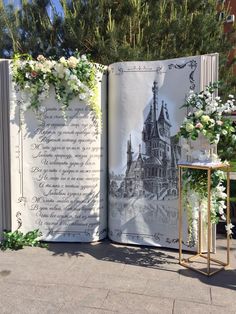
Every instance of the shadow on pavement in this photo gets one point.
(223, 279)
(160, 259)
(107, 251)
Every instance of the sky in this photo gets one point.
(16, 3)
(57, 5)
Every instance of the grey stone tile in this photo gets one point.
(223, 296)
(79, 272)
(33, 256)
(124, 302)
(183, 307)
(73, 308)
(19, 305)
(50, 269)
(49, 292)
(150, 273)
(176, 290)
(41, 273)
(21, 255)
(116, 282)
(98, 266)
(91, 297)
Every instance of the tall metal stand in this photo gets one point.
(205, 255)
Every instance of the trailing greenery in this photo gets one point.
(16, 240)
(195, 196)
(191, 176)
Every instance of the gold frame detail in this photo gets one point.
(199, 253)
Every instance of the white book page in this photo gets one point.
(58, 170)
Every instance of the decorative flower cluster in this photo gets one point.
(71, 77)
(207, 115)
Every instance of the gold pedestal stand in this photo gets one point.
(200, 254)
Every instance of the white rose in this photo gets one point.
(72, 62)
(49, 64)
(62, 60)
(198, 113)
(212, 121)
(189, 127)
(41, 58)
(219, 122)
(38, 67)
(205, 118)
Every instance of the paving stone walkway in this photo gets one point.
(105, 278)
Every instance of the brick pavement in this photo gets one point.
(110, 278)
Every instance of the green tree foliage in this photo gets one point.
(118, 30)
(29, 29)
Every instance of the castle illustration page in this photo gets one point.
(144, 118)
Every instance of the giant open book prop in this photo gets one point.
(76, 183)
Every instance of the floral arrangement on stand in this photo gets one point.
(206, 118)
(75, 76)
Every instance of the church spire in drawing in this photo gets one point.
(155, 104)
(129, 153)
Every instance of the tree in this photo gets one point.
(30, 29)
(116, 30)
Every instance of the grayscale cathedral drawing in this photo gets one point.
(154, 173)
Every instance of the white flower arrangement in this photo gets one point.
(75, 76)
(207, 118)
(207, 115)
